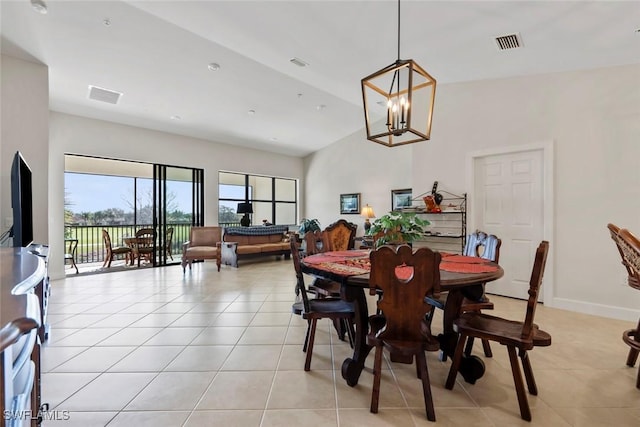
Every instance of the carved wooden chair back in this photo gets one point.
(614, 230)
(534, 288)
(405, 278)
(483, 245)
(341, 235)
(315, 242)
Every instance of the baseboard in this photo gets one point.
(609, 311)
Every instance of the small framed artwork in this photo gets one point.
(350, 203)
(400, 199)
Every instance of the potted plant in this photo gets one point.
(308, 225)
(397, 228)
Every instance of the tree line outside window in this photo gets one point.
(273, 199)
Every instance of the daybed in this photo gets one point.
(246, 242)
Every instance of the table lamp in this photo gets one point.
(367, 212)
(246, 209)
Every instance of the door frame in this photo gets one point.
(547, 292)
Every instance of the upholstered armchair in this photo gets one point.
(204, 243)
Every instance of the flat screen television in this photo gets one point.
(21, 202)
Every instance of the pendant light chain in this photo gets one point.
(398, 30)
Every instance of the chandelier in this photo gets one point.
(398, 102)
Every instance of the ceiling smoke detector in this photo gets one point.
(105, 95)
(509, 41)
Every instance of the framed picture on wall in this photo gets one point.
(350, 203)
(400, 199)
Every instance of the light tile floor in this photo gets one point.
(154, 347)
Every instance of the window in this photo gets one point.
(272, 199)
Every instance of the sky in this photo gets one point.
(91, 193)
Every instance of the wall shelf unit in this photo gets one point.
(447, 231)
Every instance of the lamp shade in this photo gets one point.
(244, 208)
(367, 212)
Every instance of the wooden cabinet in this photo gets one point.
(21, 322)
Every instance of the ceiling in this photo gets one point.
(157, 54)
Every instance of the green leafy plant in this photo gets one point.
(308, 225)
(397, 227)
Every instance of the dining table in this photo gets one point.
(460, 276)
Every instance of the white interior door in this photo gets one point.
(509, 202)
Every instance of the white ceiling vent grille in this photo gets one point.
(299, 62)
(509, 41)
(104, 95)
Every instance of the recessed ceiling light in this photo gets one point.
(273, 138)
(321, 107)
(214, 66)
(39, 6)
(176, 117)
(106, 22)
(251, 112)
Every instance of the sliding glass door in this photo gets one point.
(178, 195)
(122, 197)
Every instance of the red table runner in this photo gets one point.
(353, 263)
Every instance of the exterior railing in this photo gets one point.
(91, 247)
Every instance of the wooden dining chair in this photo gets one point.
(515, 335)
(405, 278)
(113, 251)
(630, 250)
(313, 309)
(341, 235)
(482, 245)
(144, 244)
(70, 254)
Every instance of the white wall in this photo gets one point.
(78, 135)
(354, 165)
(24, 119)
(593, 118)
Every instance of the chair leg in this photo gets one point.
(468, 348)
(455, 365)
(351, 333)
(312, 335)
(638, 380)
(306, 337)
(487, 348)
(421, 363)
(528, 373)
(525, 412)
(377, 373)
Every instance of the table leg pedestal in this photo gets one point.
(471, 367)
(352, 366)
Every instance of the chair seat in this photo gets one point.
(325, 287)
(324, 307)
(504, 331)
(120, 249)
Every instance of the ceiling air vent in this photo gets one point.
(299, 62)
(510, 41)
(104, 95)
